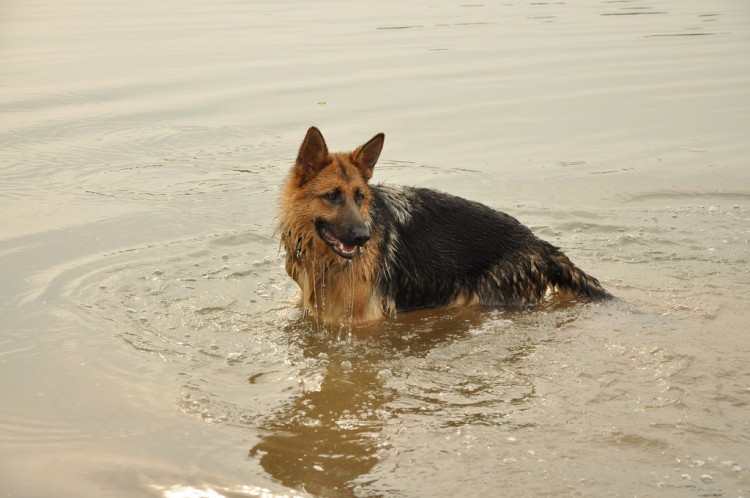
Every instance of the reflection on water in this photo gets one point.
(328, 437)
(324, 438)
(179, 491)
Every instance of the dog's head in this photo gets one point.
(327, 194)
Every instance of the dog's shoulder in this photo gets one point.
(397, 202)
(404, 205)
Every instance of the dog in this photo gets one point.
(362, 252)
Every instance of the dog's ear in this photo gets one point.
(367, 155)
(312, 156)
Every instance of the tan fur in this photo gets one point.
(332, 288)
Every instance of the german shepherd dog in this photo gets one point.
(361, 252)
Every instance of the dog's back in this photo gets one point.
(438, 249)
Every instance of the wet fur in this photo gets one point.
(425, 248)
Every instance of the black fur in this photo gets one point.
(437, 246)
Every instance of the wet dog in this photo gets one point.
(361, 252)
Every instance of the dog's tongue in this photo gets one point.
(345, 248)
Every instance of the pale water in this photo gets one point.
(151, 344)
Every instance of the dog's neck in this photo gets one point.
(334, 290)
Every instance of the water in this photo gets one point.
(151, 345)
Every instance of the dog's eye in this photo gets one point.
(333, 195)
(359, 197)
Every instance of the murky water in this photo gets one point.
(151, 344)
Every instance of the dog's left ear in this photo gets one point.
(367, 155)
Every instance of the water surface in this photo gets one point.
(151, 344)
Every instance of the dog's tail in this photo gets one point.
(568, 278)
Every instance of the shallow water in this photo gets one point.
(151, 344)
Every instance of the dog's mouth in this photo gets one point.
(344, 250)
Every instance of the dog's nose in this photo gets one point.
(360, 235)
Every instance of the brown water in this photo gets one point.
(150, 342)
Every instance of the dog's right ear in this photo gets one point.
(312, 156)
